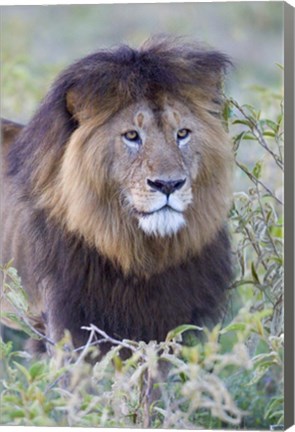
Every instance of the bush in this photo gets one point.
(233, 377)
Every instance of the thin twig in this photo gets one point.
(109, 338)
(256, 247)
(257, 133)
(146, 401)
(85, 348)
(257, 181)
(266, 224)
(34, 330)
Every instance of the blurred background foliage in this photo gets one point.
(37, 42)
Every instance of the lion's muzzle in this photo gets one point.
(161, 213)
(166, 187)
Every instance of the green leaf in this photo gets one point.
(254, 273)
(249, 136)
(244, 167)
(181, 329)
(277, 260)
(279, 414)
(274, 404)
(258, 88)
(280, 66)
(11, 399)
(5, 349)
(269, 134)
(7, 265)
(118, 363)
(251, 109)
(265, 359)
(256, 377)
(183, 377)
(20, 323)
(37, 370)
(17, 413)
(276, 231)
(17, 300)
(243, 122)
(279, 119)
(234, 327)
(14, 279)
(227, 111)
(239, 137)
(23, 370)
(257, 170)
(272, 125)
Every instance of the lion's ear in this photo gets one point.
(210, 68)
(72, 103)
(77, 106)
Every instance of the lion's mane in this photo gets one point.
(92, 264)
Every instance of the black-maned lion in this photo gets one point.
(117, 191)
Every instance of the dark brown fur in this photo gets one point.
(70, 281)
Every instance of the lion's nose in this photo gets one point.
(167, 187)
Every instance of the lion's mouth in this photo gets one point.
(165, 221)
(165, 208)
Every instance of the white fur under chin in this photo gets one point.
(162, 223)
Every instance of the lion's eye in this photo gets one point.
(132, 136)
(183, 136)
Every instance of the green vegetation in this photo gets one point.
(232, 378)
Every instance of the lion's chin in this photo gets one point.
(162, 223)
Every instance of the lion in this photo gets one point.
(117, 193)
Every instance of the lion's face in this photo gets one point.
(156, 162)
(145, 174)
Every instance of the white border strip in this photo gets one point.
(106, 2)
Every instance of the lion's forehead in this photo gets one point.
(158, 115)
